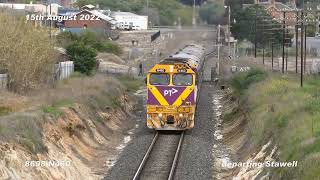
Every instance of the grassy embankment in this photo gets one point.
(280, 110)
(95, 93)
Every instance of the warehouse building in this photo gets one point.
(130, 21)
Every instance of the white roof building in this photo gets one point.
(36, 8)
(128, 20)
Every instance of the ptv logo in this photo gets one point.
(170, 92)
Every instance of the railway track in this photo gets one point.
(160, 160)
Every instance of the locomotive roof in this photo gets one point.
(187, 56)
(172, 60)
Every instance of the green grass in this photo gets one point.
(77, 74)
(293, 123)
(228, 116)
(107, 99)
(56, 108)
(4, 110)
(242, 81)
(24, 129)
(131, 83)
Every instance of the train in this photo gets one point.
(173, 86)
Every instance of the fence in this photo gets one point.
(311, 66)
(3, 81)
(63, 70)
(113, 68)
(315, 66)
(60, 71)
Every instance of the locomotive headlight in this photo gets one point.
(160, 114)
(180, 115)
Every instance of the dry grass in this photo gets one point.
(39, 106)
(25, 129)
(110, 58)
(74, 89)
(26, 53)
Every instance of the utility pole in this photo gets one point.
(286, 59)
(194, 14)
(218, 65)
(283, 38)
(45, 21)
(305, 48)
(287, 53)
(301, 75)
(263, 43)
(234, 48)
(272, 55)
(229, 25)
(148, 9)
(272, 46)
(50, 20)
(297, 49)
(255, 36)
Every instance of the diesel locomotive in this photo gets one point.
(172, 87)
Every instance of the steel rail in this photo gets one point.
(145, 158)
(175, 160)
(147, 154)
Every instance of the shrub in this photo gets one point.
(84, 58)
(56, 108)
(242, 81)
(66, 38)
(26, 129)
(99, 42)
(89, 38)
(4, 110)
(111, 47)
(130, 83)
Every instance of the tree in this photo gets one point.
(212, 13)
(122, 5)
(153, 15)
(311, 30)
(190, 2)
(81, 3)
(185, 14)
(237, 6)
(83, 57)
(166, 9)
(27, 52)
(91, 39)
(245, 26)
(65, 38)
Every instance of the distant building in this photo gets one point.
(88, 7)
(89, 17)
(130, 21)
(275, 9)
(94, 20)
(33, 8)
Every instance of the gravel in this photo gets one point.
(196, 159)
(196, 156)
(132, 154)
